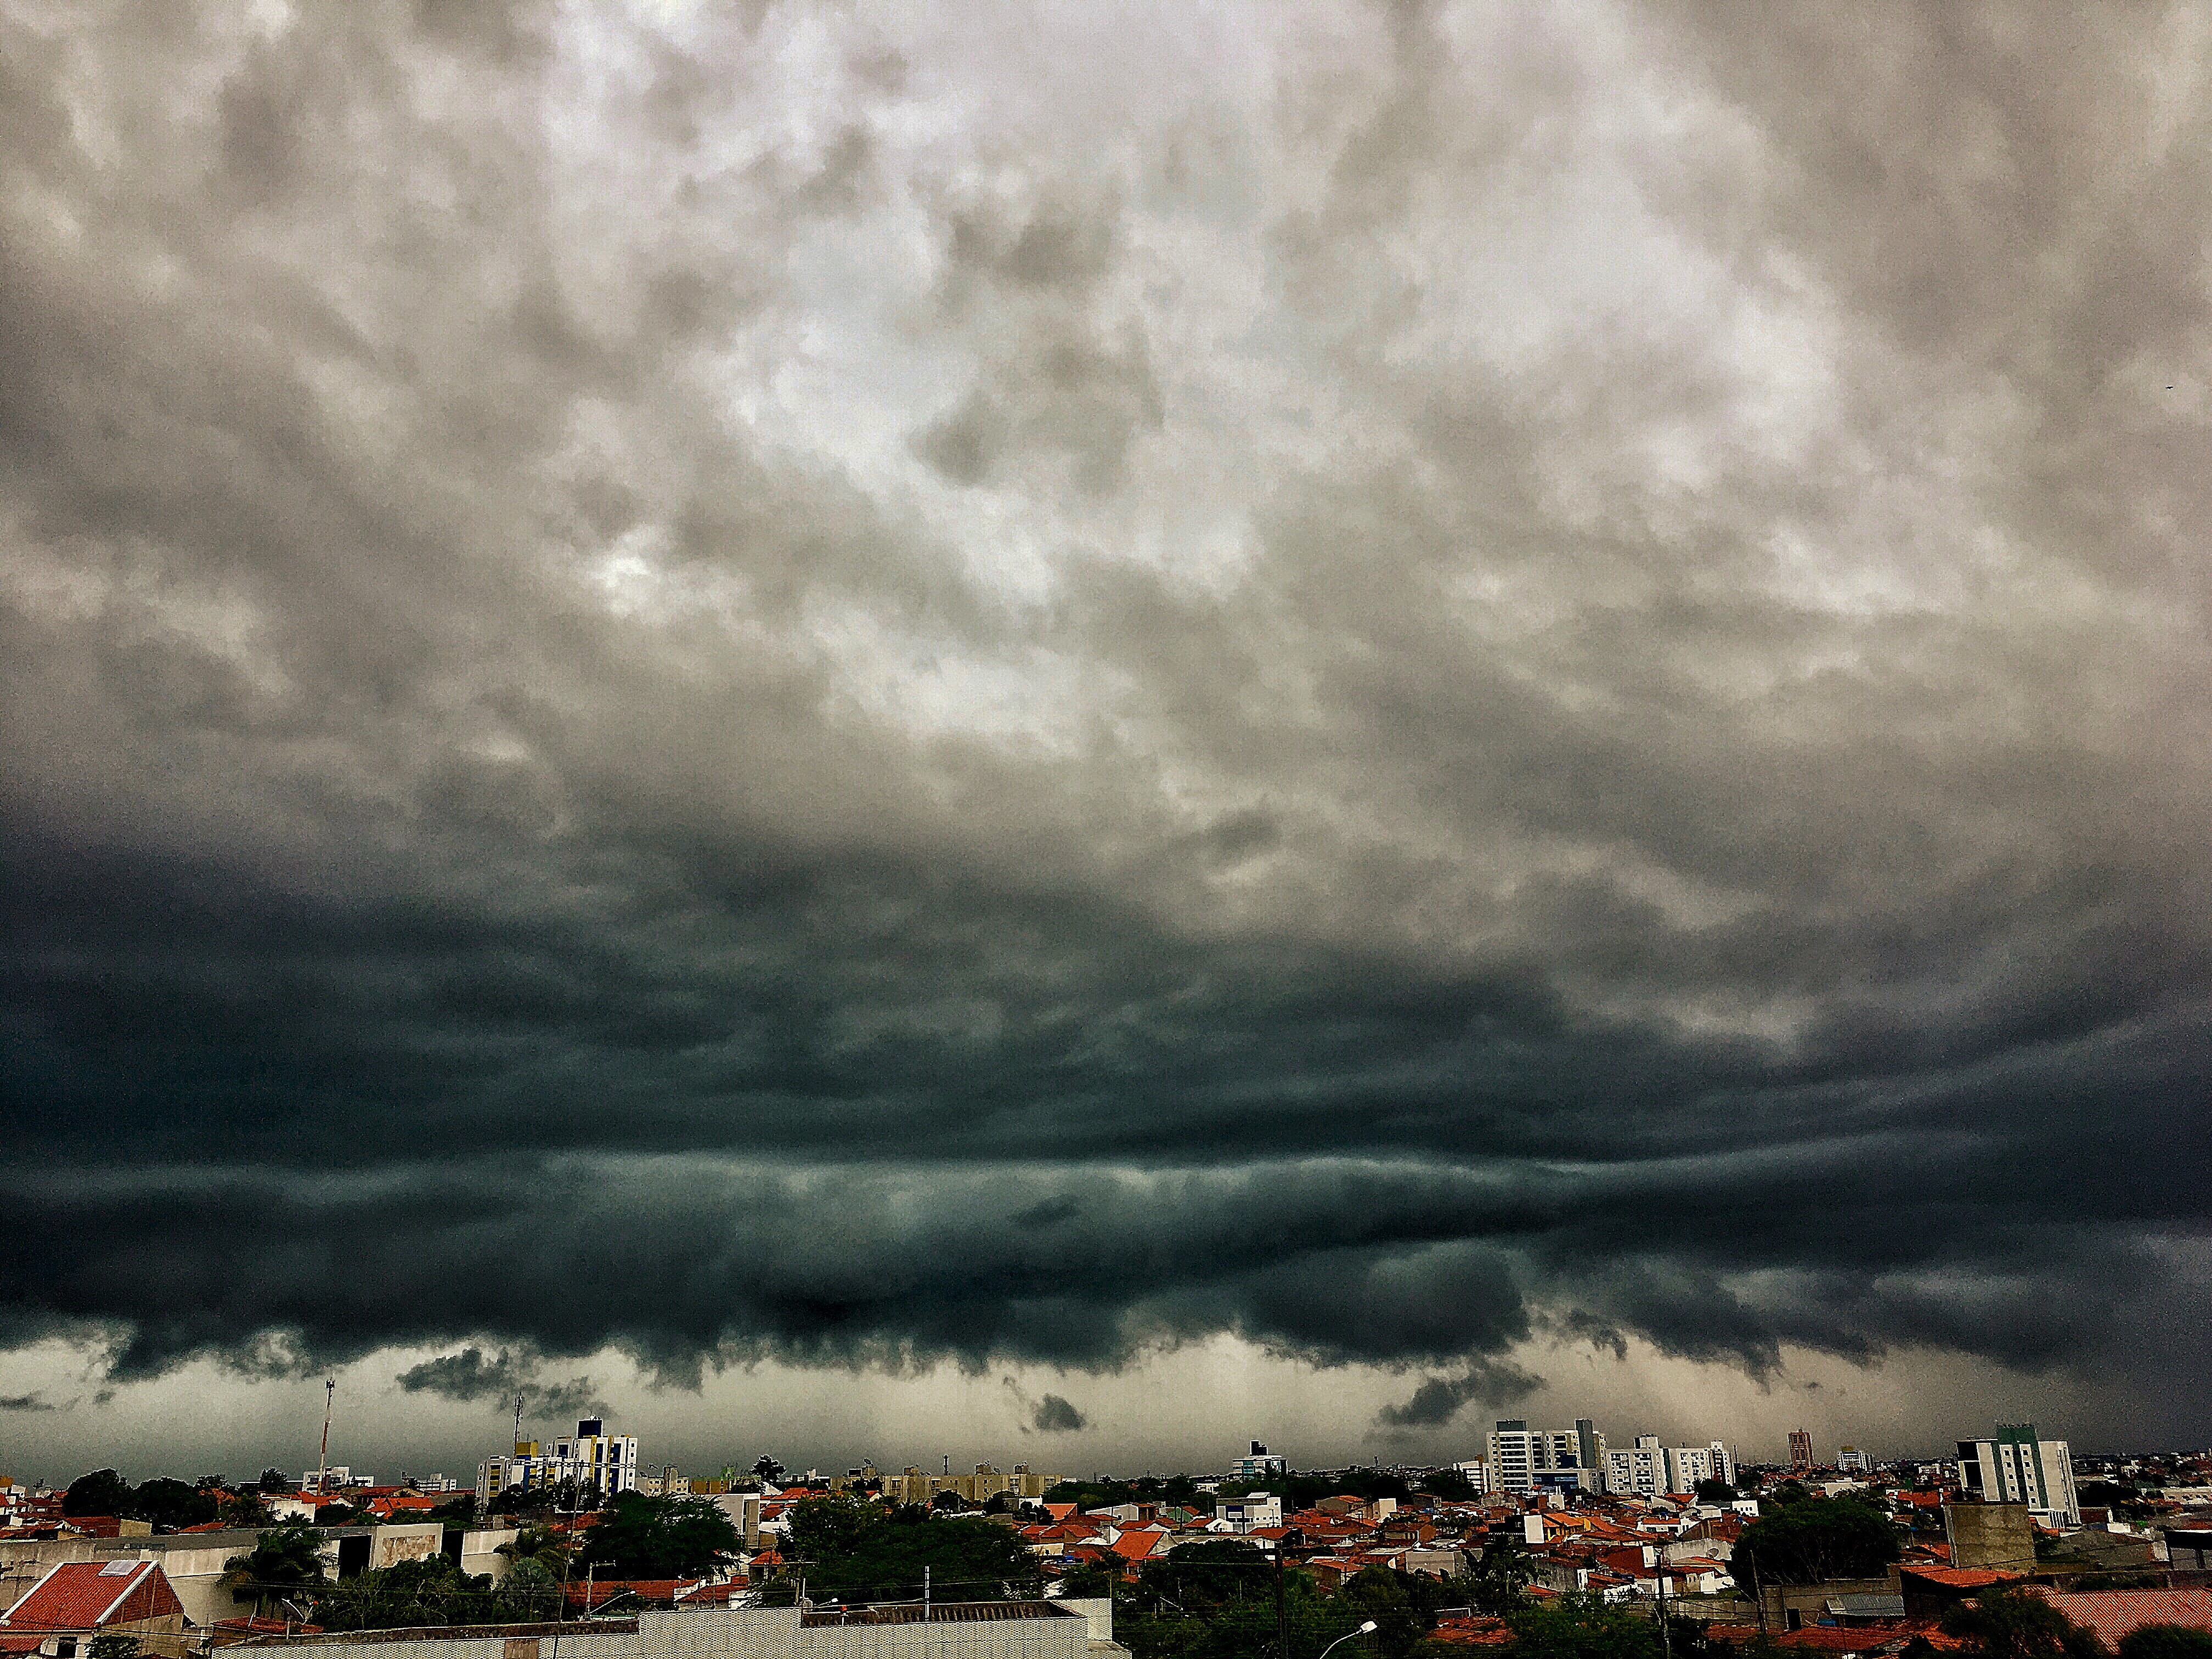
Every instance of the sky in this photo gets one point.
(1067, 733)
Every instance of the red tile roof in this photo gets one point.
(86, 1594)
(2113, 1614)
(1965, 1577)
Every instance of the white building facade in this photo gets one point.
(591, 1458)
(2013, 1466)
(1523, 1459)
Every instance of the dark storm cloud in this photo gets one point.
(24, 1403)
(522, 833)
(1054, 1415)
(1439, 1399)
(506, 1375)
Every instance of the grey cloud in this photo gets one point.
(1517, 734)
(1439, 1399)
(1054, 1415)
(504, 1376)
(25, 1402)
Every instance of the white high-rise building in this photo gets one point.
(1640, 1470)
(591, 1458)
(2013, 1466)
(1649, 1469)
(1688, 1465)
(1523, 1459)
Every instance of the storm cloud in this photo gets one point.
(1392, 679)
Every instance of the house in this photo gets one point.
(79, 1599)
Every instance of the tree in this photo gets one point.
(102, 1492)
(169, 1504)
(1716, 1492)
(531, 1588)
(2006, 1624)
(1582, 1628)
(548, 1548)
(431, 1591)
(1813, 1540)
(243, 1508)
(850, 1548)
(1213, 1569)
(768, 1471)
(642, 1537)
(2166, 1642)
(113, 1644)
(274, 1479)
(285, 1560)
(1498, 1583)
(831, 1529)
(1450, 1485)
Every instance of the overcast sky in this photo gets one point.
(1066, 732)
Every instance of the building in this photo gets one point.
(1647, 1469)
(79, 1599)
(1249, 1513)
(1068, 1629)
(594, 1460)
(1801, 1448)
(1639, 1470)
(2013, 1466)
(1523, 1460)
(1850, 1459)
(1261, 1465)
(915, 1486)
(1688, 1465)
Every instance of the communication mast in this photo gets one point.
(323, 1468)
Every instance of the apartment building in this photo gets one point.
(2013, 1466)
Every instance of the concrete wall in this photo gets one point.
(1990, 1536)
(1787, 1606)
(480, 1551)
(742, 1633)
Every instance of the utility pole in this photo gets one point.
(1282, 1608)
(323, 1467)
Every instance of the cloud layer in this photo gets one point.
(740, 686)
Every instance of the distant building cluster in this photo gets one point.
(1655, 1520)
(590, 1460)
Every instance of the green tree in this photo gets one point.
(102, 1492)
(1582, 1628)
(848, 1547)
(243, 1508)
(1211, 1571)
(2166, 1642)
(431, 1591)
(1497, 1582)
(641, 1537)
(169, 1504)
(1450, 1485)
(1716, 1492)
(1813, 1540)
(2008, 1624)
(831, 1529)
(274, 1479)
(532, 1589)
(285, 1560)
(549, 1548)
(113, 1644)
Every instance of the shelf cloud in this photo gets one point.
(736, 684)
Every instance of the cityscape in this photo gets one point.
(1543, 1534)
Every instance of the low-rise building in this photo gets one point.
(79, 1599)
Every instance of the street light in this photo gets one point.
(1364, 1630)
